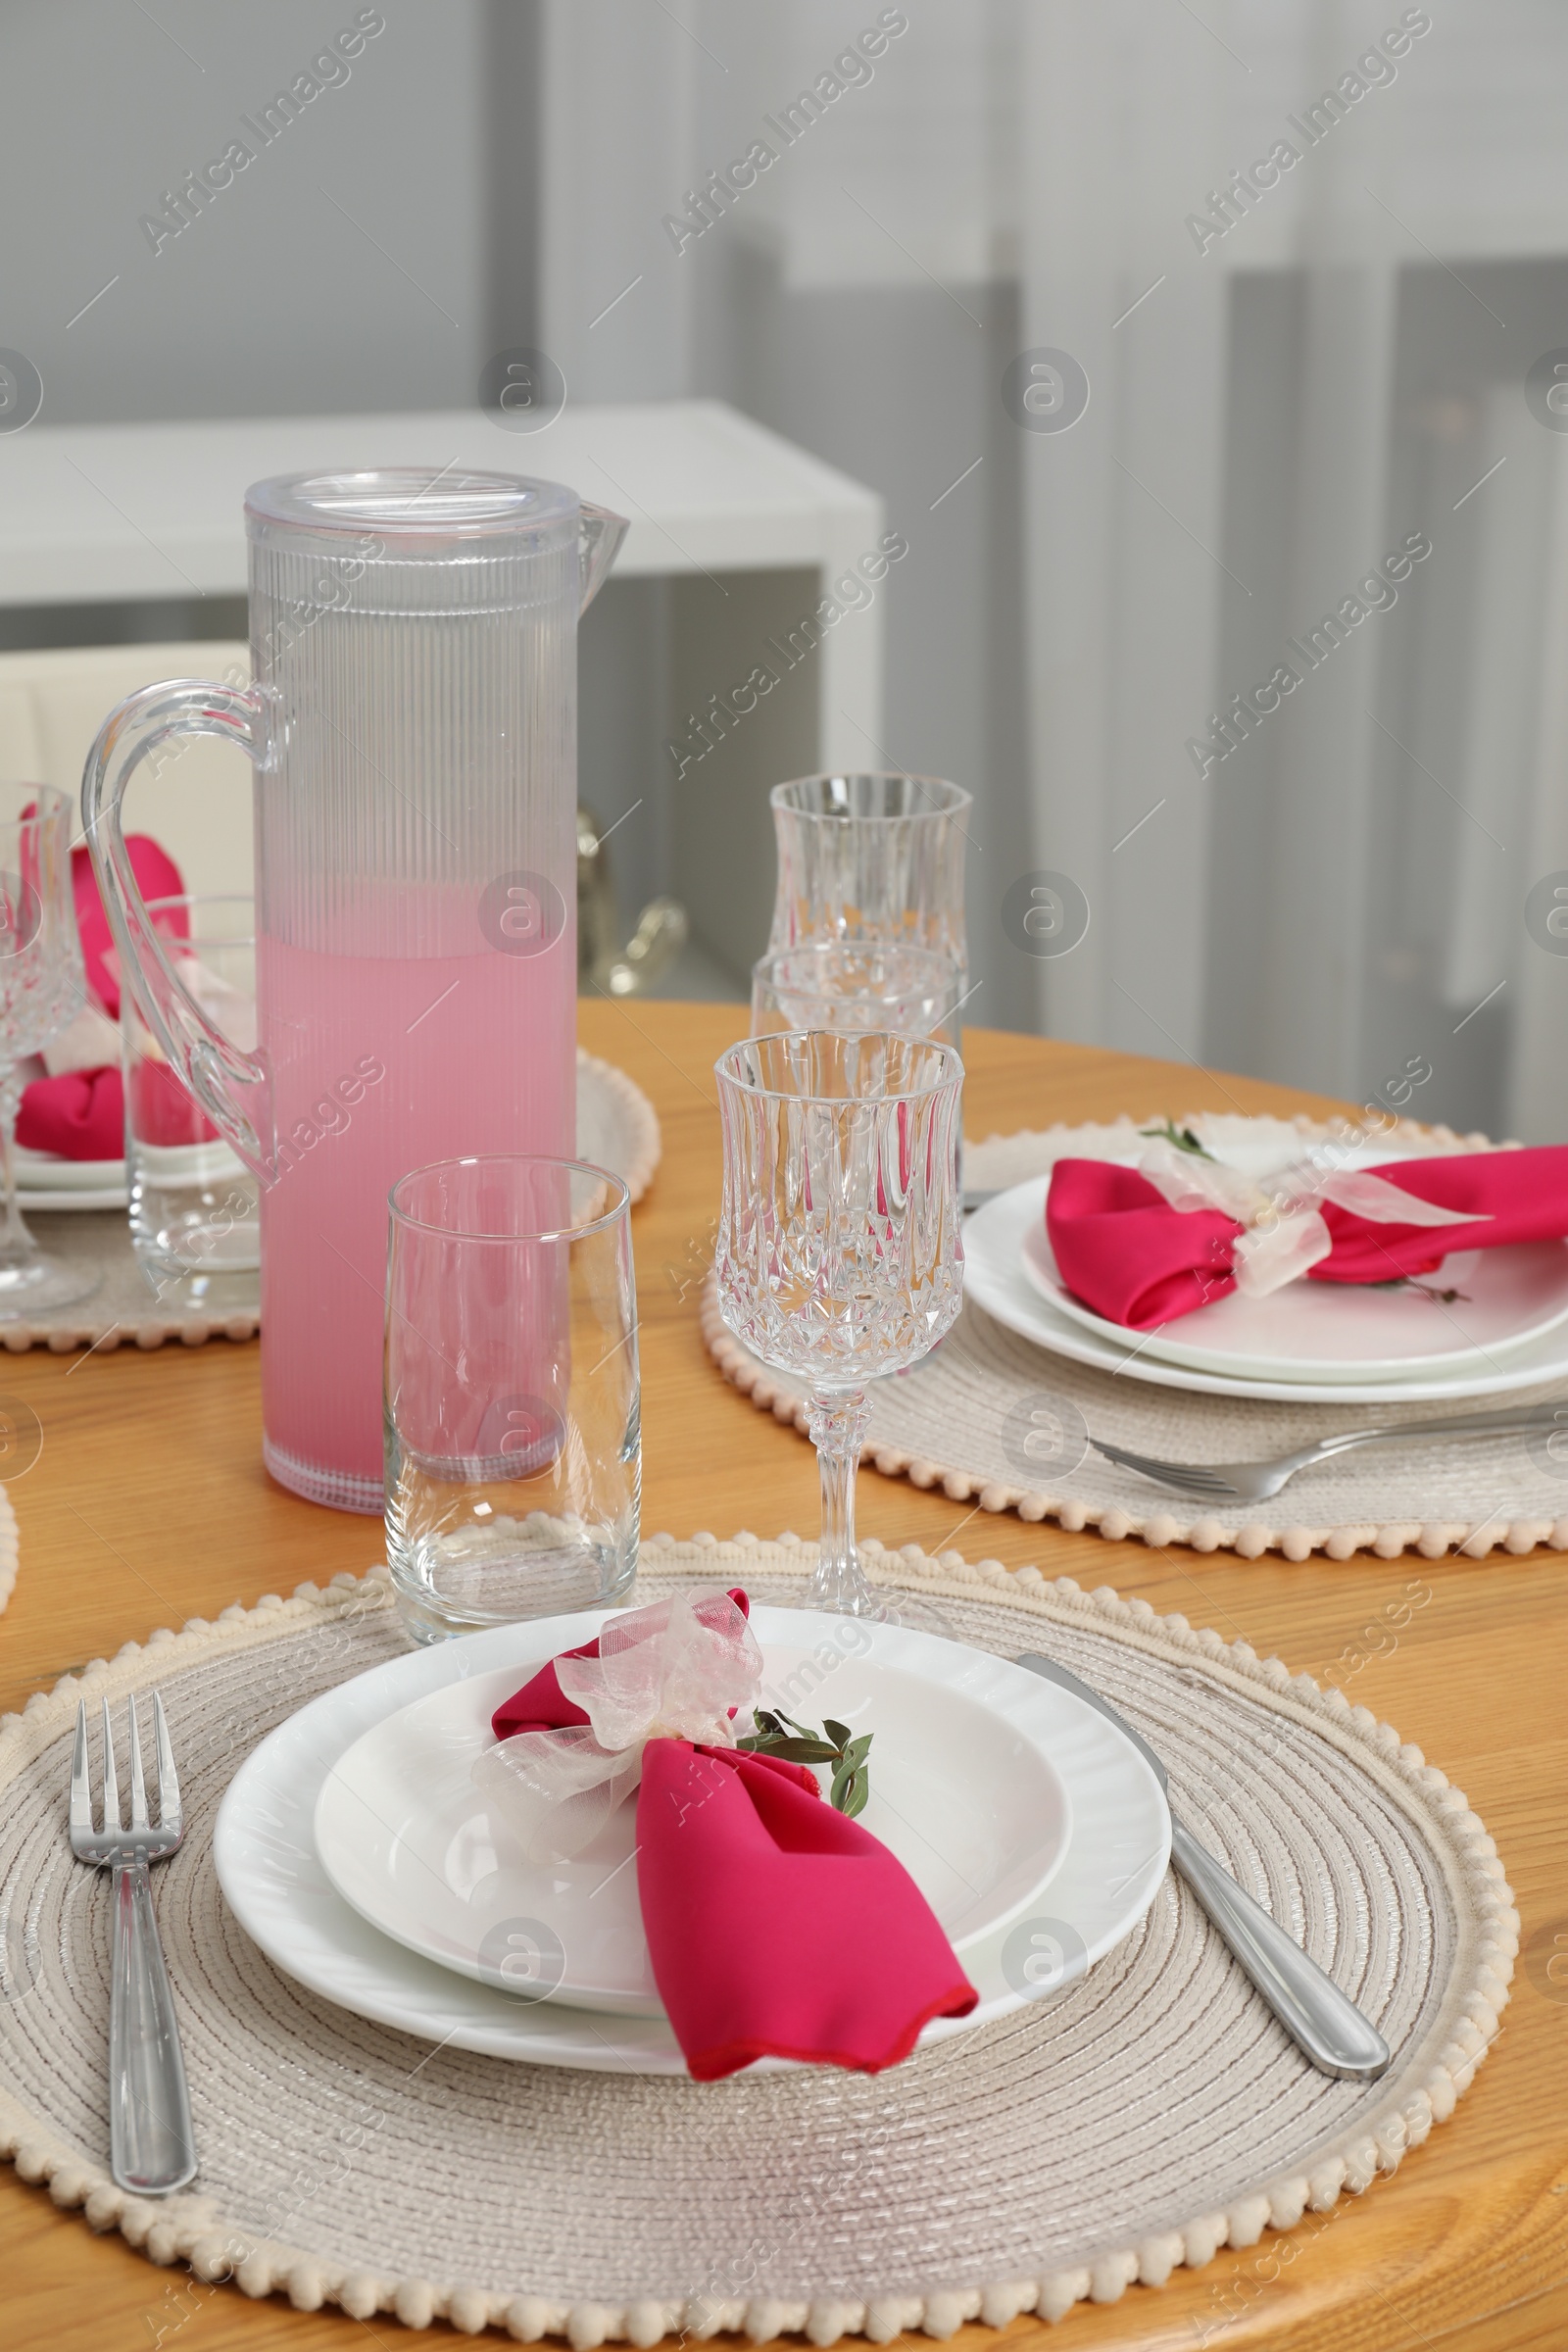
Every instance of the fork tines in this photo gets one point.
(81, 1804)
(1189, 1478)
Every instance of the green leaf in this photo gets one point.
(1182, 1137)
(779, 1735)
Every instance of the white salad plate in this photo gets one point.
(1344, 1331)
(1008, 1271)
(273, 1875)
(961, 1791)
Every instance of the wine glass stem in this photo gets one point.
(17, 1244)
(838, 1424)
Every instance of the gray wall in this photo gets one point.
(884, 381)
(269, 302)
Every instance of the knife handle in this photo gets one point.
(1309, 2005)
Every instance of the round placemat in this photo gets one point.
(1139, 2119)
(618, 1128)
(981, 1417)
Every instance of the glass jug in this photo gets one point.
(413, 732)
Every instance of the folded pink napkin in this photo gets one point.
(81, 1113)
(1128, 1250)
(776, 1928)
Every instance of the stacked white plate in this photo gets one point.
(616, 1129)
(45, 1180)
(1310, 1343)
(355, 1848)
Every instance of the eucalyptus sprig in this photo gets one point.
(1408, 1282)
(779, 1735)
(1182, 1137)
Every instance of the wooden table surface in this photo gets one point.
(148, 1504)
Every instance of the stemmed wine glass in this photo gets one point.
(839, 1254)
(41, 989)
(875, 857)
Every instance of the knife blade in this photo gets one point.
(1322, 2021)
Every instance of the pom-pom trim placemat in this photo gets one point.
(969, 1419)
(618, 1128)
(1134, 2121)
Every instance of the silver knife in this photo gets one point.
(1325, 2022)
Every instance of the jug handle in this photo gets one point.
(209, 1066)
(598, 537)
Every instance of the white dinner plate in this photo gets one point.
(277, 1887)
(1333, 1330)
(45, 1180)
(996, 1278)
(961, 1790)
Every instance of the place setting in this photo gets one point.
(411, 1916)
(1169, 1321)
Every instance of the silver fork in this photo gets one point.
(1255, 1482)
(151, 2140)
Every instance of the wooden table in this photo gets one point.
(149, 1504)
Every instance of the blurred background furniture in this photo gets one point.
(194, 798)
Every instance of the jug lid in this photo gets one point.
(414, 504)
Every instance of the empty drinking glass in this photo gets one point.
(41, 989)
(514, 1460)
(839, 1256)
(847, 985)
(875, 857)
(194, 1221)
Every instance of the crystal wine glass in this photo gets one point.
(41, 990)
(874, 856)
(839, 1254)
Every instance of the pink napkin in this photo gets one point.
(81, 1113)
(1124, 1251)
(776, 1928)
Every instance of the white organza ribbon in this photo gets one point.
(1286, 1235)
(677, 1670)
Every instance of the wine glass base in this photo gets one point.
(918, 1616)
(38, 1283)
(873, 1606)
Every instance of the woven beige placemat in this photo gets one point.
(618, 1128)
(1138, 2120)
(971, 1419)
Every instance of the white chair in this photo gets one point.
(195, 802)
